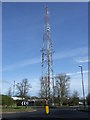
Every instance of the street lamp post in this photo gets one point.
(82, 85)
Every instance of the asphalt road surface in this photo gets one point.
(55, 113)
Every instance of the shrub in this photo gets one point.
(7, 100)
(88, 99)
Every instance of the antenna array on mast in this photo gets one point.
(47, 59)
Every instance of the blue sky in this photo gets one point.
(22, 36)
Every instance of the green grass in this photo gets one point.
(85, 110)
(17, 109)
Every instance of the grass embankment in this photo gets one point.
(84, 110)
(17, 109)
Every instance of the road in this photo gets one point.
(39, 114)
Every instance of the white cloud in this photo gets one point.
(83, 59)
(76, 82)
(35, 83)
(71, 53)
(33, 91)
(75, 73)
(59, 55)
(5, 82)
(22, 64)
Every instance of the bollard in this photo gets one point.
(47, 106)
(47, 109)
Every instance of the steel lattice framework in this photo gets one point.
(47, 59)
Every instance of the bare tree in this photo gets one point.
(23, 88)
(62, 87)
(10, 92)
(43, 90)
(75, 98)
(75, 94)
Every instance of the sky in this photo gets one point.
(22, 38)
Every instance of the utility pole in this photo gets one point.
(82, 85)
(47, 58)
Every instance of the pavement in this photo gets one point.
(40, 114)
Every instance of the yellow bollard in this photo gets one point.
(47, 110)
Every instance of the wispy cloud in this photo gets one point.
(83, 59)
(5, 82)
(76, 82)
(35, 83)
(33, 91)
(59, 55)
(75, 73)
(71, 53)
(22, 64)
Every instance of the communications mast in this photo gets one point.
(47, 59)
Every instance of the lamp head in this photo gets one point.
(80, 66)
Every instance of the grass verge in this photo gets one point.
(17, 109)
(85, 110)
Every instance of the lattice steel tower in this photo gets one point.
(47, 59)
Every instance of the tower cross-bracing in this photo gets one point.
(47, 59)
